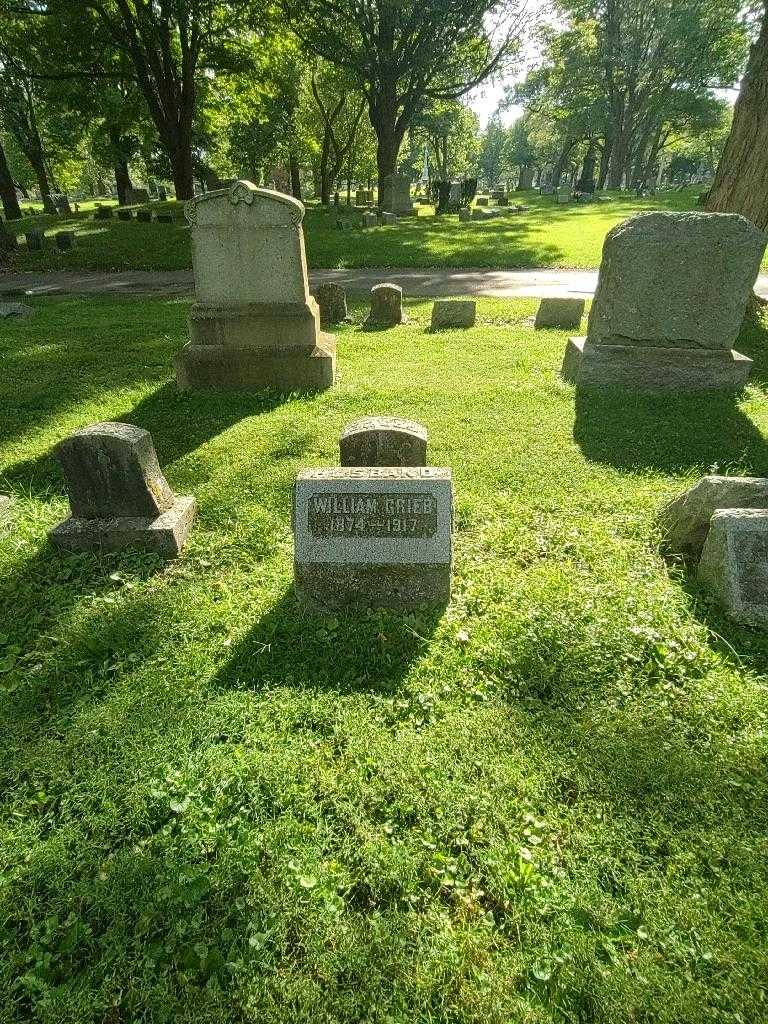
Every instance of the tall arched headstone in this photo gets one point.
(254, 324)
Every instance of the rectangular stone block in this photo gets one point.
(734, 564)
(164, 535)
(588, 365)
(453, 313)
(374, 536)
(562, 313)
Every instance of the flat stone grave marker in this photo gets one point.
(254, 324)
(670, 301)
(118, 495)
(453, 313)
(383, 441)
(65, 239)
(374, 536)
(386, 306)
(734, 564)
(15, 309)
(563, 313)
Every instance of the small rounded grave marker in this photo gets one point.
(383, 441)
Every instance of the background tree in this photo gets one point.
(741, 181)
(8, 196)
(400, 52)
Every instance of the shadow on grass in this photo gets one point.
(36, 599)
(675, 431)
(179, 422)
(352, 651)
(667, 431)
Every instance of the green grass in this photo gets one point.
(546, 236)
(547, 804)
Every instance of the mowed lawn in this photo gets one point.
(546, 804)
(546, 235)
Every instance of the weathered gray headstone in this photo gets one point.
(374, 536)
(547, 190)
(395, 195)
(35, 239)
(370, 220)
(453, 313)
(388, 218)
(332, 301)
(125, 214)
(386, 306)
(102, 213)
(65, 239)
(670, 300)
(118, 495)
(15, 309)
(136, 196)
(465, 214)
(563, 313)
(454, 197)
(165, 218)
(734, 564)
(254, 324)
(685, 521)
(144, 216)
(383, 441)
(481, 201)
(563, 197)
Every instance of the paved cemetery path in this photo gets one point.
(427, 283)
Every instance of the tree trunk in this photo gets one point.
(557, 171)
(8, 190)
(741, 182)
(605, 162)
(587, 180)
(325, 169)
(38, 166)
(526, 178)
(179, 146)
(293, 163)
(123, 181)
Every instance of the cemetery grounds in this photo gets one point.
(545, 236)
(546, 804)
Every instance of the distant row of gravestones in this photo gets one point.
(671, 297)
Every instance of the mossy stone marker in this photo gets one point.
(374, 536)
(118, 495)
(383, 441)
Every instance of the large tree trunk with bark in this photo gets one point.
(8, 196)
(293, 164)
(741, 181)
(179, 146)
(123, 181)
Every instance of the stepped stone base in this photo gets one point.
(164, 535)
(257, 369)
(257, 347)
(634, 366)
